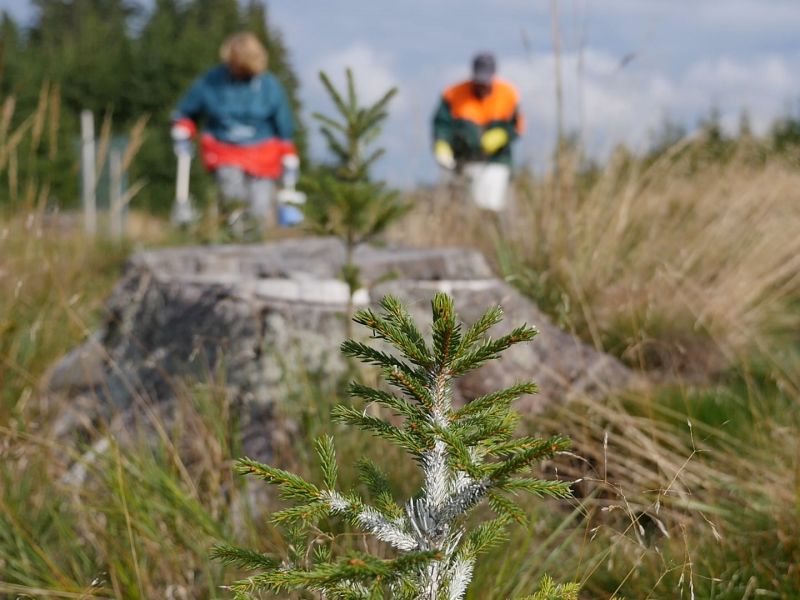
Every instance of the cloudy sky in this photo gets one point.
(627, 64)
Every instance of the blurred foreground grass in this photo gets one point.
(52, 286)
(690, 489)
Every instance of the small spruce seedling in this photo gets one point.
(467, 456)
(343, 199)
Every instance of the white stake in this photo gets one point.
(182, 210)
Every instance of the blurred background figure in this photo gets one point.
(247, 131)
(473, 128)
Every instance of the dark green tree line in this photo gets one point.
(114, 57)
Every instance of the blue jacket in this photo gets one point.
(238, 111)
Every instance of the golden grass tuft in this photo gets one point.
(714, 250)
(678, 264)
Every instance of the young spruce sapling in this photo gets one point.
(467, 456)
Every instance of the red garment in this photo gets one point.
(260, 160)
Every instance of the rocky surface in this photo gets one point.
(249, 317)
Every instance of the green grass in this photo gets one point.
(151, 508)
(52, 286)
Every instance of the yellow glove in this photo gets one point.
(444, 154)
(494, 139)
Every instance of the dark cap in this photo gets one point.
(483, 67)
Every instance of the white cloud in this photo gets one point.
(374, 75)
(725, 19)
(754, 16)
(688, 56)
(613, 103)
(608, 103)
(372, 71)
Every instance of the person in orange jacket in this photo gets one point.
(473, 128)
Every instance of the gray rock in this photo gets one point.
(561, 365)
(249, 317)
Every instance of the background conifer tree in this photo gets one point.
(343, 200)
(467, 456)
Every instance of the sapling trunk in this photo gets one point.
(350, 276)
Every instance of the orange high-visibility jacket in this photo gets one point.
(462, 118)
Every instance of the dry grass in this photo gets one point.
(664, 251)
(52, 284)
(139, 525)
(679, 264)
(669, 505)
(692, 268)
(142, 525)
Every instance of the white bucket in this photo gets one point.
(488, 184)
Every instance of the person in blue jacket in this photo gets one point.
(247, 126)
